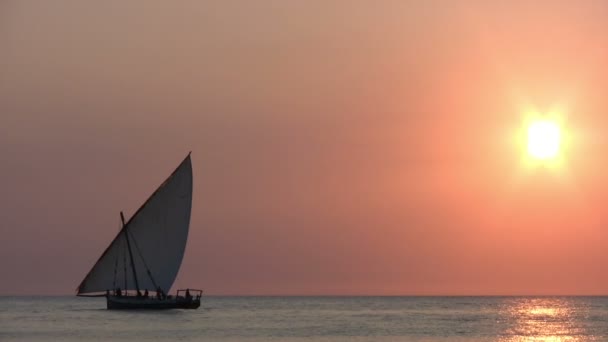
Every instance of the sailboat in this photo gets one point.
(138, 268)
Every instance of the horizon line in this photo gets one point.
(348, 295)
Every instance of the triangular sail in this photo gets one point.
(157, 234)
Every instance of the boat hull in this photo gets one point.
(135, 303)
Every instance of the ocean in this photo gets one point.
(327, 319)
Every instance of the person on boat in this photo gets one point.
(159, 293)
(188, 296)
(146, 294)
(118, 292)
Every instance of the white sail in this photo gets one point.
(156, 235)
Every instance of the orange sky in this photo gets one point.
(339, 147)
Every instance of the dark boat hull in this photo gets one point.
(135, 303)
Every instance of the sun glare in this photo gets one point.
(543, 139)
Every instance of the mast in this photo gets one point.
(122, 217)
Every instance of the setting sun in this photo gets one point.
(543, 139)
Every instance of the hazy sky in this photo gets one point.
(339, 147)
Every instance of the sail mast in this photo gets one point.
(122, 217)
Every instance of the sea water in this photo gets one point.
(327, 319)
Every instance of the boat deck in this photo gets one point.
(179, 301)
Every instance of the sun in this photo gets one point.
(543, 139)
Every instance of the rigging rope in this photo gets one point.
(144, 261)
(115, 272)
(124, 259)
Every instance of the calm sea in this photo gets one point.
(326, 319)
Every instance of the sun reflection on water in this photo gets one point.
(543, 319)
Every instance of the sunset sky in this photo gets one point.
(338, 147)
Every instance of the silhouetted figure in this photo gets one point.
(188, 296)
(159, 293)
(118, 292)
(146, 294)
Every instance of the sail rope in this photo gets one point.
(132, 262)
(144, 261)
(124, 260)
(115, 272)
